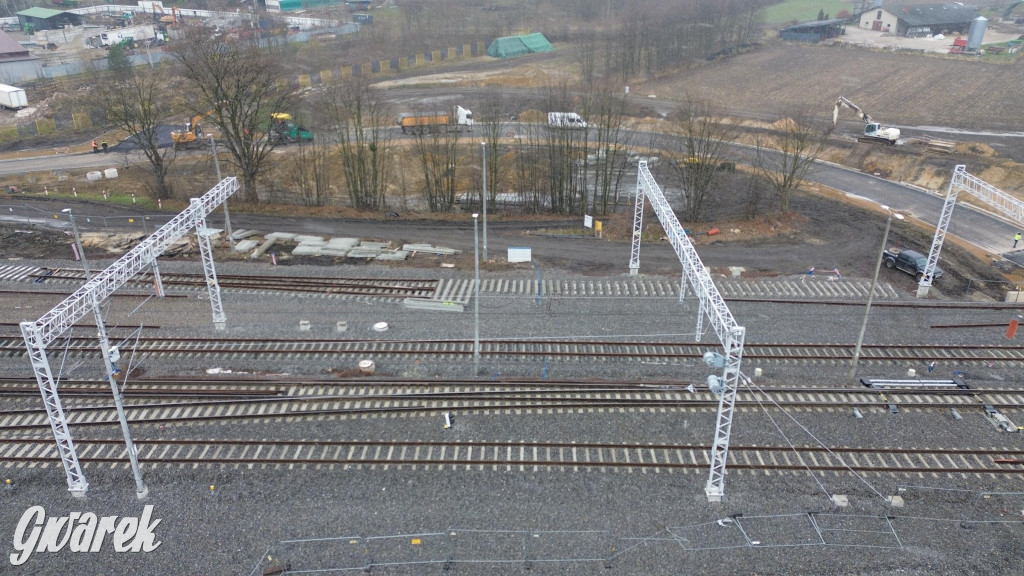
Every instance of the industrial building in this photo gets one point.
(919, 20)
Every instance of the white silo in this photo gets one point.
(976, 34)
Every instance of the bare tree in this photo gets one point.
(437, 152)
(529, 167)
(705, 138)
(652, 35)
(492, 126)
(134, 103)
(360, 119)
(312, 174)
(754, 186)
(605, 111)
(567, 152)
(787, 155)
(236, 83)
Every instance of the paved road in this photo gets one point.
(986, 231)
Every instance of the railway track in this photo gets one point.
(520, 456)
(779, 290)
(245, 348)
(375, 287)
(390, 288)
(90, 406)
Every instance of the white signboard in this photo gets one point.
(519, 254)
(588, 221)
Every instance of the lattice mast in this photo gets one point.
(729, 333)
(1002, 202)
(39, 334)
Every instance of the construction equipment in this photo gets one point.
(191, 137)
(131, 34)
(873, 131)
(457, 120)
(284, 131)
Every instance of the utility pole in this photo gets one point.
(78, 242)
(483, 148)
(476, 298)
(871, 293)
(227, 216)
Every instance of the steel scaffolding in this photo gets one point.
(39, 334)
(1002, 202)
(712, 305)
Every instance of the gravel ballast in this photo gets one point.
(549, 521)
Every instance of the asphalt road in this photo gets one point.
(986, 231)
(983, 230)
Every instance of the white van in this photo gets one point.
(569, 120)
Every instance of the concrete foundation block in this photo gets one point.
(245, 245)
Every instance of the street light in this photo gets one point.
(78, 242)
(871, 292)
(108, 363)
(476, 297)
(227, 216)
(483, 150)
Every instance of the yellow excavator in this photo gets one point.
(191, 137)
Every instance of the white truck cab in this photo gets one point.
(464, 117)
(570, 120)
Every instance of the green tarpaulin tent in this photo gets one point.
(512, 46)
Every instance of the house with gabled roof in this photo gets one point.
(16, 64)
(918, 20)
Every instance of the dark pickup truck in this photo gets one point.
(909, 261)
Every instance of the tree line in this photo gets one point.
(357, 158)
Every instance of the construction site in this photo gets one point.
(822, 379)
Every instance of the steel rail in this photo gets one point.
(257, 407)
(544, 348)
(538, 454)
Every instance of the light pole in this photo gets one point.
(108, 363)
(476, 298)
(871, 292)
(483, 149)
(227, 216)
(78, 242)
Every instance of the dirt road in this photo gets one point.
(820, 233)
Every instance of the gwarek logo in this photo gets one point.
(82, 532)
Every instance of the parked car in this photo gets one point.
(909, 261)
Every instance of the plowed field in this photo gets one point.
(896, 88)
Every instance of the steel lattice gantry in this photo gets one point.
(711, 304)
(39, 334)
(1001, 201)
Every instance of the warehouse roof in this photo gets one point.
(38, 12)
(933, 14)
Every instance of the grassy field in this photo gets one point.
(803, 10)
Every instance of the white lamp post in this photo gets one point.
(483, 149)
(871, 292)
(476, 297)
